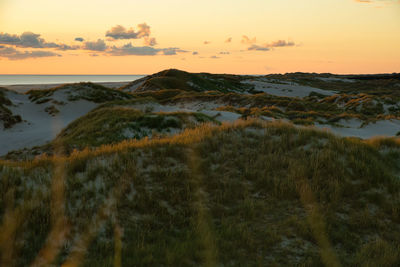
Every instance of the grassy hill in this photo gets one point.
(378, 84)
(177, 79)
(243, 194)
(143, 177)
(79, 91)
(110, 125)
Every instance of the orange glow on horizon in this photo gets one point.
(338, 36)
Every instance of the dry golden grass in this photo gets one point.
(248, 193)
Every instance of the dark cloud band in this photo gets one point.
(14, 54)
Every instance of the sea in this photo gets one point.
(61, 79)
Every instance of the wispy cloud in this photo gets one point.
(172, 51)
(224, 53)
(130, 50)
(9, 43)
(119, 32)
(150, 41)
(229, 40)
(14, 54)
(31, 40)
(280, 43)
(269, 46)
(98, 45)
(258, 48)
(247, 40)
(206, 42)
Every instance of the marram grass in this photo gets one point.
(243, 194)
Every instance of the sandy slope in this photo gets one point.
(285, 89)
(39, 127)
(205, 108)
(23, 88)
(354, 128)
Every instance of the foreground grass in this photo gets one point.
(248, 194)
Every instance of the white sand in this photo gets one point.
(38, 127)
(333, 79)
(207, 108)
(352, 128)
(23, 88)
(289, 90)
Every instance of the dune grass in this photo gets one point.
(85, 90)
(109, 125)
(177, 79)
(247, 194)
(6, 115)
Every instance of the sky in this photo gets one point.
(217, 36)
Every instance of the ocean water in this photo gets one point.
(60, 79)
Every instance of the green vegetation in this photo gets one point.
(177, 79)
(6, 115)
(374, 85)
(325, 110)
(368, 98)
(87, 91)
(52, 110)
(107, 125)
(127, 184)
(248, 194)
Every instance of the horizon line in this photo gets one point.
(259, 74)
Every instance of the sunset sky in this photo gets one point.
(219, 36)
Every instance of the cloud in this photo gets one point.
(9, 43)
(14, 54)
(267, 47)
(214, 57)
(65, 47)
(6, 38)
(228, 40)
(247, 40)
(281, 43)
(150, 41)
(224, 53)
(98, 45)
(130, 50)
(258, 48)
(119, 32)
(170, 51)
(195, 53)
(31, 40)
(144, 30)
(207, 42)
